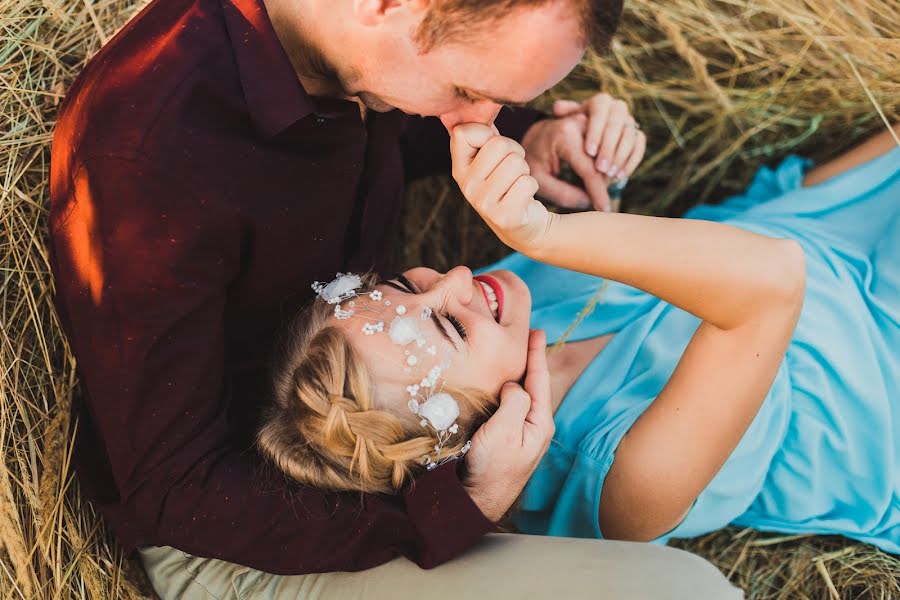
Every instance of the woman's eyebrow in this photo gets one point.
(410, 290)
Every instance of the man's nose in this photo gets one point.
(481, 112)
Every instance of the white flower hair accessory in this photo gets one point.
(436, 409)
(441, 410)
(343, 287)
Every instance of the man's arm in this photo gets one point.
(426, 143)
(143, 285)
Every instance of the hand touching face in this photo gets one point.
(494, 176)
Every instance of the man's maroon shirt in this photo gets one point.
(196, 192)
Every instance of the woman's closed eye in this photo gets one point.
(460, 328)
(457, 325)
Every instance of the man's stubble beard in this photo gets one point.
(329, 81)
(373, 102)
(317, 74)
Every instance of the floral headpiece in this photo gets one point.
(425, 359)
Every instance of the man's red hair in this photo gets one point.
(461, 20)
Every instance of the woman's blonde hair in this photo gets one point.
(324, 428)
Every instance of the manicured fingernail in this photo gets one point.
(604, 164)
(614, 172)
(592, 150)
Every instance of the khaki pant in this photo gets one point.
(502, 566)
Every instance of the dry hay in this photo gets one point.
(720, 87)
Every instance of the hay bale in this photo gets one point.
(719, 86)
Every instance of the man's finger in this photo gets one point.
(564, 108)
(467, 139)
(595, 183)
(561, 193)
(537, 380)
(510, 416)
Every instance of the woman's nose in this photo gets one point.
(458, 282)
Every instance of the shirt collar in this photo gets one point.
(273, 92)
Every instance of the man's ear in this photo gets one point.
(373, 12)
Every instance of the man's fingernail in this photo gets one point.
(603, 166)
(592, 150)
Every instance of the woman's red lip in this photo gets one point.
(498, 291)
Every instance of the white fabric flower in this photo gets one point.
(375, 295)
(344, 286)
(441, 410)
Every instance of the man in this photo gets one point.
(214, 159)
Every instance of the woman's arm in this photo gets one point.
(874, 147)
(747, 289)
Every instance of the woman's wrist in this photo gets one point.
(541, 247)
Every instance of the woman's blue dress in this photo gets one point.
(823, 453)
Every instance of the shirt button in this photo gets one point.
(320, 120)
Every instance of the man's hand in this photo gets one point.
(599, 139)
(494, 177)
(508, 447)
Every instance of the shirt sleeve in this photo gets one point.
(426, 144)
(143, 295)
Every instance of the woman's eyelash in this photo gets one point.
(407, 284)
(460, 328)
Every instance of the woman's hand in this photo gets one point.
(496, 180)
(508, 447)
(598, 138)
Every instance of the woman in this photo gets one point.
(742, 364)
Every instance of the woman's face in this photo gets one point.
(482, 322)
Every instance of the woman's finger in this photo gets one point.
(624, 149)
(489, 158)
(466, 140)
(502, 178)
(598, 115)
(612, 133)
(637, 154)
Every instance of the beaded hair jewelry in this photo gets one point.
(438, 410)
